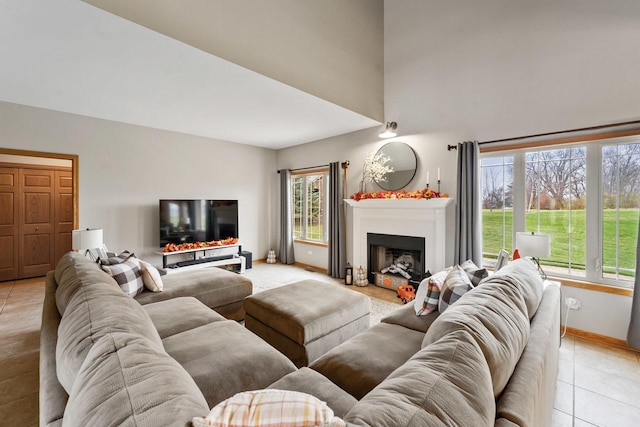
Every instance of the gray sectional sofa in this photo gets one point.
(490, 359)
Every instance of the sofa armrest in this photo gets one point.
(406, 316)
(53, 397)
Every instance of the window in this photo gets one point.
(620, 202)
(585, 196)
(497, 206)
(310, 204)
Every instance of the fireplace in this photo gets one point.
(430, 220)
(401, 256)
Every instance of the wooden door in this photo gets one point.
(9, 197)
(36, 227)
(63, 212)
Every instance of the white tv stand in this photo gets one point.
(213, 256)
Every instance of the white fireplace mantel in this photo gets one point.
(431, 219)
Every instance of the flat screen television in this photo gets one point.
(190, 221)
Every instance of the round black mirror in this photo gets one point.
(403, 161)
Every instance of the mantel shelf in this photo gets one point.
(435, 203)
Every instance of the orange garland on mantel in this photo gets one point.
(425, 193)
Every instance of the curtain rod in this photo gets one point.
(634, 122)
(344, 165)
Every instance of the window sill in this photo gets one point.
(311, 242)
(591, 286)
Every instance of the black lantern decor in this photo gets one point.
(348, 275)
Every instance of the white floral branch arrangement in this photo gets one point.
(375, 168)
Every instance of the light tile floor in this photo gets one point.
(597, 385)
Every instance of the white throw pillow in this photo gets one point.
(270, 408)
(151, 277)
(421, 295)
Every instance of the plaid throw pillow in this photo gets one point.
(455, 285)
(475, 273)
(128, 274)
(428, 295)
(438, 278)
(432, 300)
(270, 408)
(118, 259)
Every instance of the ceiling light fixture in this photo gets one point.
(389, 130)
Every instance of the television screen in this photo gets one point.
(190, 221)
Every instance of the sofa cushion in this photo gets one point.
(180, 314)
(212, 286)
(522, 274)
(224, 359)
(95, 310)
(72, 271)
(445, 384)
(495, 315)
(126, 380)
(362, 362)
(307, 380)
(405, 316)
(521, 403)
(269, 408)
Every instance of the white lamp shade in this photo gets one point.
(83, 240)
(537, 245)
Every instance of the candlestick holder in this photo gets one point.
(438, 186)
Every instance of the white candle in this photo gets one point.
(427, 177)
(438, 174)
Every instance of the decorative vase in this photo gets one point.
(363, 186)
(271, 257)
(361, 278)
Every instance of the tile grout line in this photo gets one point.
(4, 303)
(573, 385)
(608, 397)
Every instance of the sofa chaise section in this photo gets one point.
(218, 289)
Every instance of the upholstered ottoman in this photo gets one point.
(306, 319)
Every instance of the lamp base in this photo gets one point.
(543, 275)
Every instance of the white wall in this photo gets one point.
(124, 170)
(468, 70)
(330, 48)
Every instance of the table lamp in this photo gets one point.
(536, 246)
(87, 240)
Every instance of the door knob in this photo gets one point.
(37, 227)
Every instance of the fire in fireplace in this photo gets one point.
(396, 256)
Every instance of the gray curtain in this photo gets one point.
(468, 240)
(337, 237)
(633, 336)
(286, 233)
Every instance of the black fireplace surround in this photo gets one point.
(387, 249)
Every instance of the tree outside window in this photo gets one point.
(590, 212)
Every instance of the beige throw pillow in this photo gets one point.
(151, 277)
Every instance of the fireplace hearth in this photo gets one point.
(401, 256)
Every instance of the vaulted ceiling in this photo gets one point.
(67, 55)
